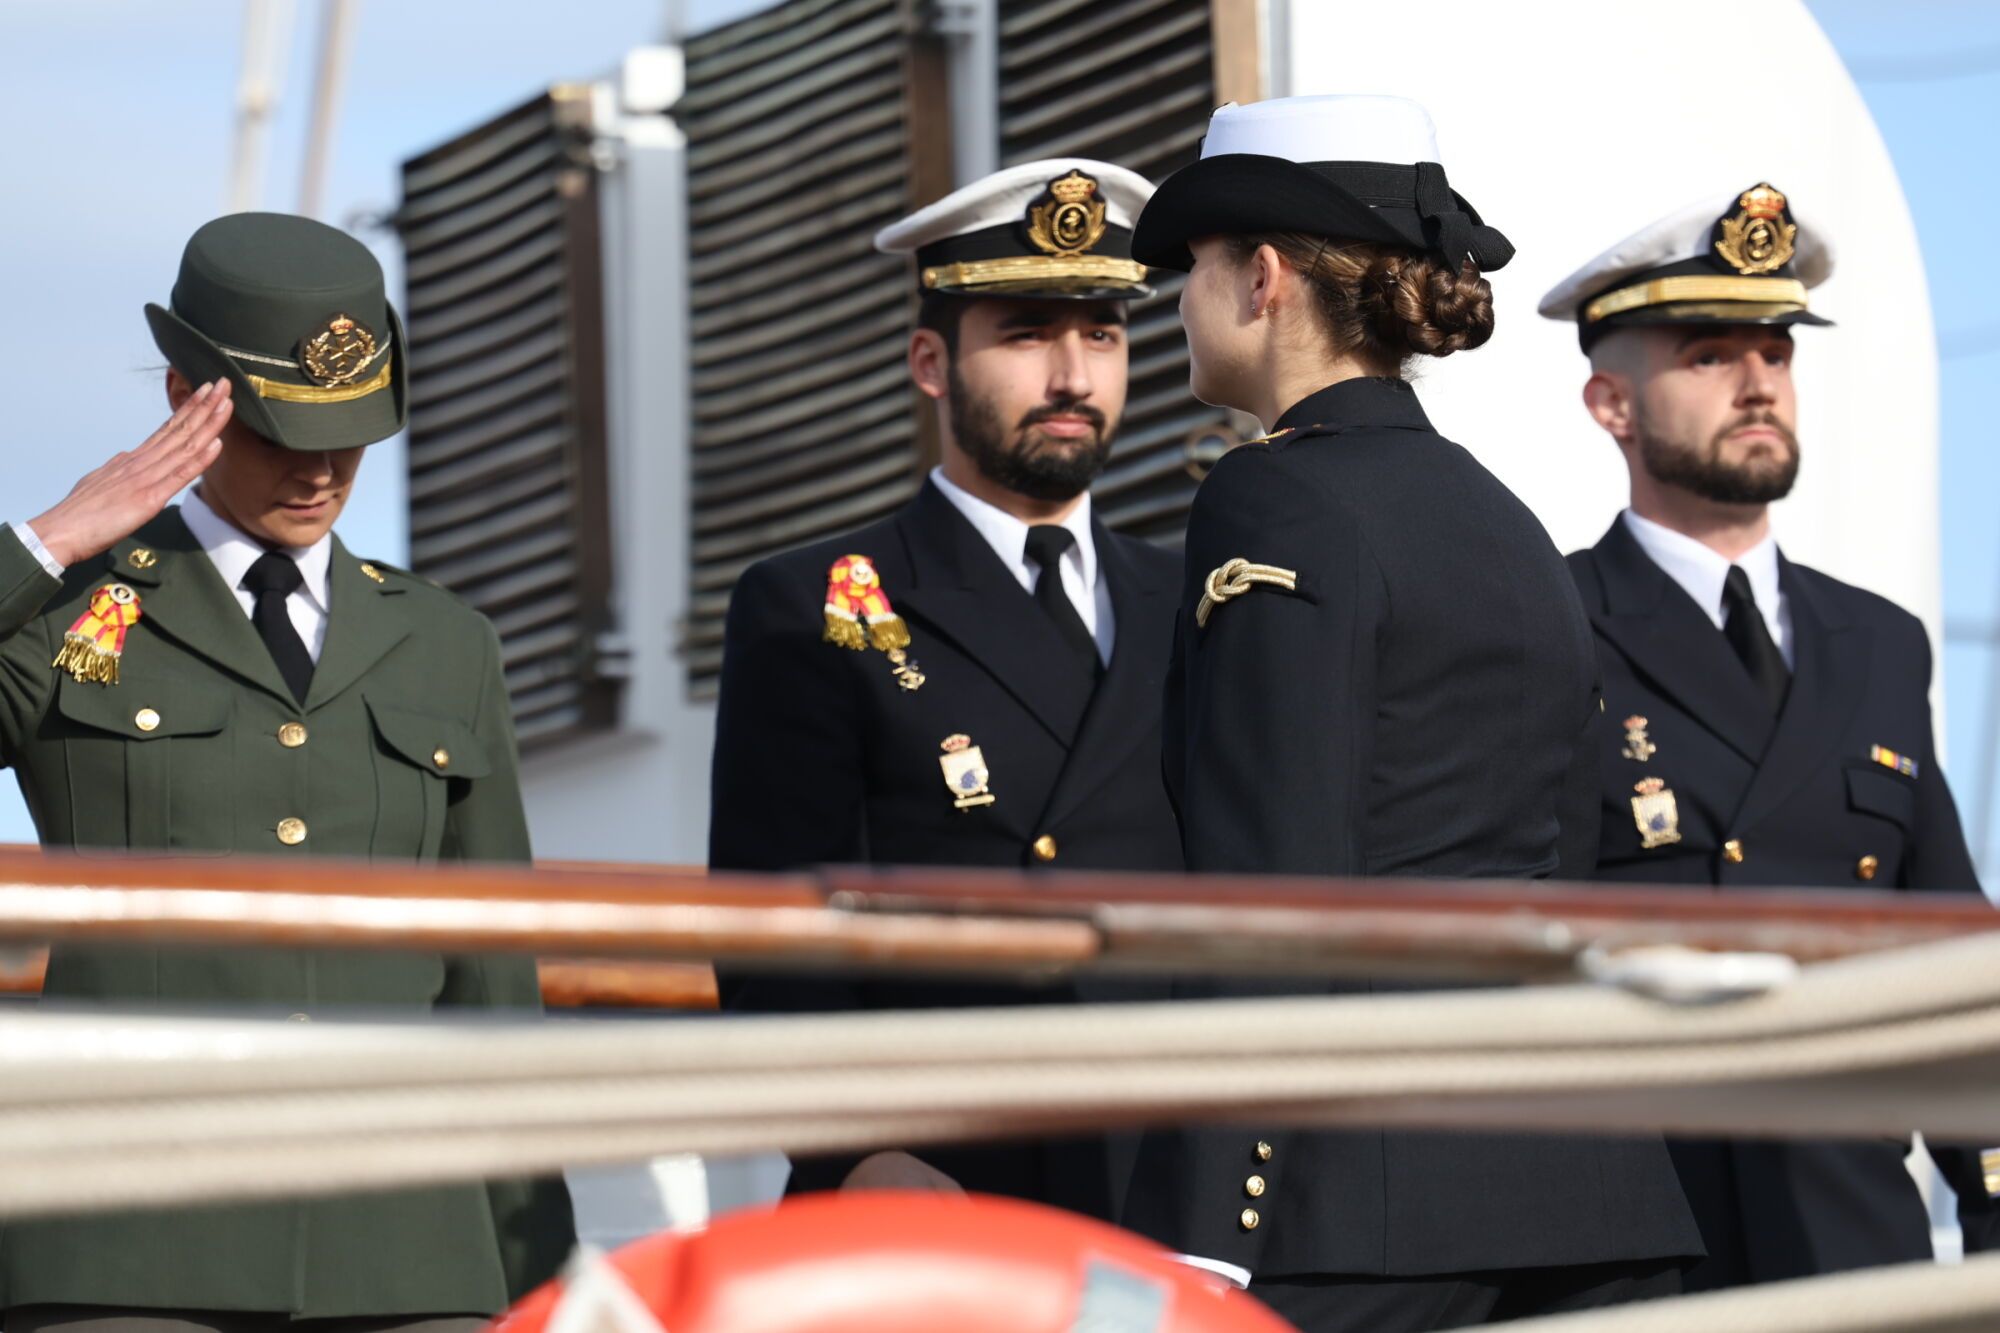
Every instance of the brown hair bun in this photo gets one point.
(1383, 304)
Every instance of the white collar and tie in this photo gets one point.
(232, 552)
(1008, 536)
(1702, 574)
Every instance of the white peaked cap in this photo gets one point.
(1683, 235)
(1004, 197)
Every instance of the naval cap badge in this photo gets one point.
(1758, 237)
(337, 353)
(1068, 218)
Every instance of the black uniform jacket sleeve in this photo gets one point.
(1257, 783)
(786, 780)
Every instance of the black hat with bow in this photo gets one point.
(1351, 168)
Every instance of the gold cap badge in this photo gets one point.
(338, 353)
(1757, 238)
(1069, 217)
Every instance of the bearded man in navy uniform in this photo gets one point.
(1765, 725)
(974, 680)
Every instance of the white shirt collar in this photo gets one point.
(1702, 572)
(1008, 536)
(233, 552)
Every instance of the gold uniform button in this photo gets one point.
(1732, 851)
(291, 832)
(1045, 848)
(441, 757)
(1254, 1187)
(146, 719)
(1263, 1151)
(1866, 867)
(1249, 1219)
(141, 558)
(292, 735)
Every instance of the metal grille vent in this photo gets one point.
(508, 499)
(1131, 82)
(802, 422)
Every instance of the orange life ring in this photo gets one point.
(892, 1262)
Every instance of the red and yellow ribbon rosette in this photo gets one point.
(858, 614)
(92, 647)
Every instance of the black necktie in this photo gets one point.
(1751, 638)
(1047, 542)
(273, 578)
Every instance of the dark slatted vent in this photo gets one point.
(797, 154)
(508, 499)
(1131, 82)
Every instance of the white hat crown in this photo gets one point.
(1332, 128)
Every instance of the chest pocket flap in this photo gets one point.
(1876, 791)
(146, 710)
(438, 745)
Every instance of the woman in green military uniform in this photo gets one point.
(225, 678)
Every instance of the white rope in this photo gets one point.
(102, 1112)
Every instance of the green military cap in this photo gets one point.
(296, 315)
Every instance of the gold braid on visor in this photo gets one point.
(1788, 293)
(1030, 268)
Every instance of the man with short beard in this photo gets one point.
(1765, 725)
(974, 680)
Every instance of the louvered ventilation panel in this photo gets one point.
(508, 501)
(1131, 82)
(803, 424)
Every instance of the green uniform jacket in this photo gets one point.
(406, 754)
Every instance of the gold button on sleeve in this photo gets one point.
(1263, 1151)
(292, 735)
(441, 757)
(146, 719)
(1254, 1187)
(1045, 848)
(291, 831)
(1866, 867)
(1732, 851)
(141, 558)
(1248, 1219)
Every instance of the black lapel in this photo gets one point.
(184, 598)
(1672, 644)
(1830, 659)
(961, 591)
(1126, 708)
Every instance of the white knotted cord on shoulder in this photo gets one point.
(1236, 577)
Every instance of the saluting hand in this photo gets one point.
(125, 494)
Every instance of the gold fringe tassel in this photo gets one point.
(888, 632)
(845, 632)
(83, 659)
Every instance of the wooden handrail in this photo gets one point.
(1010, 923)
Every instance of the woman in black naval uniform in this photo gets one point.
(1381, 668)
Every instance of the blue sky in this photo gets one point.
(123, 113)
(1931, 74)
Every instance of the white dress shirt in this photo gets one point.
(1702, 572)
(1082, 578)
